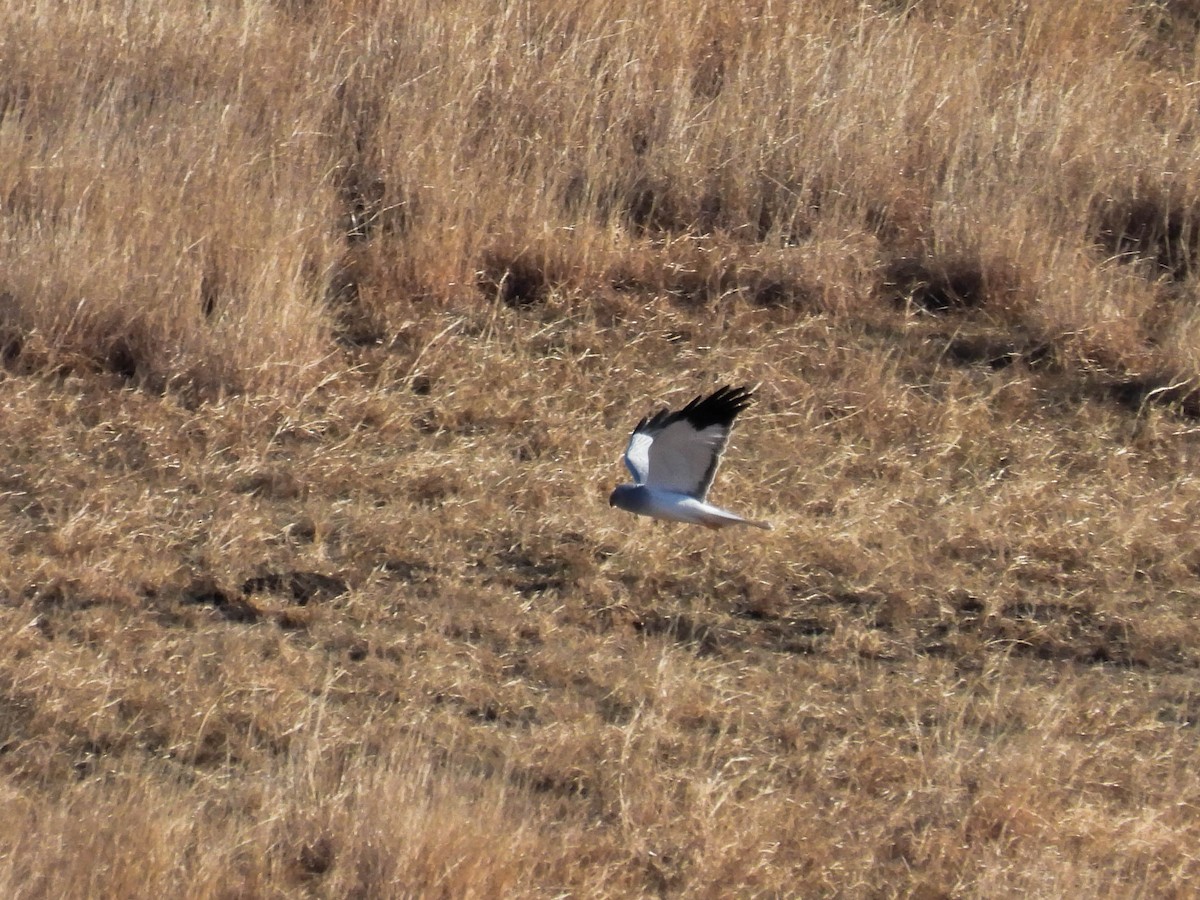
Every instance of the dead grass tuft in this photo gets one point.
(321, 329)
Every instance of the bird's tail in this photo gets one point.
(724, 519)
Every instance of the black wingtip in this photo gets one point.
(720, 407)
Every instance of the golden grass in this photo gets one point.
(322, 329)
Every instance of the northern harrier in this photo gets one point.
(674, 456)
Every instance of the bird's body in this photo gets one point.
(674, 456)
(675, 507)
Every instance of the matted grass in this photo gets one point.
(323, 327)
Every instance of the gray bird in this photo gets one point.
(674, 457)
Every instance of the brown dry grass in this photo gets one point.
(322, 328)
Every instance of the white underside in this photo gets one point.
(685, 508)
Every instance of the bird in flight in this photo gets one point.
(674, 456)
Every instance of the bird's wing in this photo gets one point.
(637, 454)
(680, 451)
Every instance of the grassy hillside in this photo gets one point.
(323, 326)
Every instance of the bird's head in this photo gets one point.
(626, 496)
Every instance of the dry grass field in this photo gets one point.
(323, 326)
